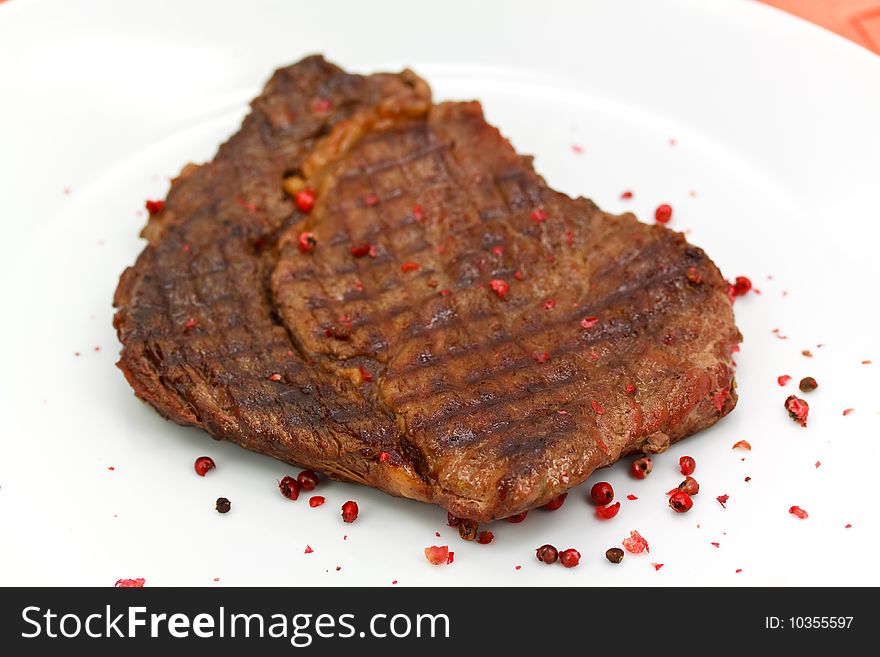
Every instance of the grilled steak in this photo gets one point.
(459, 333)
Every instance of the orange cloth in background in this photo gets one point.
(857, 20)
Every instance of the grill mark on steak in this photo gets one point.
(470, 420)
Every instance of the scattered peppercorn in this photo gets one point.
(305, 199)
(808, 384)
(289, 487)
(688, 465)
(316, 500)
(307, 479)
(641, 467)
(663, 213)
(614, 555)
(635, 543)
(539, 215)
(519, 517)
(154, 207)
(589, 322)
(307, 242)
(570, 558)
(203, 464)
(484, 538)
(742, 444)
(798, 409)
(467, 530)
(556, 502)
(608, 512)
(601, 493)
(223, 505)
(407, 267)
(547, 554)
(438, 556)
(680, 502)
(349, 511)
(689, 486)
(360, 250)
(741, 286)
(782, 380)
(798, 512)
(627, 195)
(500, 287)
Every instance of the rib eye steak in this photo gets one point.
(423, 314)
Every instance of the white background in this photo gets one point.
(776, 133)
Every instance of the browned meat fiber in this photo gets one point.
(460, 333)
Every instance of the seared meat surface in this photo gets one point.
(456, 333)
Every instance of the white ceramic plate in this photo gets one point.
(760, 130)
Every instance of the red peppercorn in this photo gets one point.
(782, 380)
(307, 242)
(547, 554)
(597, 408)
(549, 304)
(663, 213)
(307, 479)
(798, 409)
(680, 502)
(539, 216)
(630, 389)
(360, 250)
(349, 511)
(570, 558)
(499, 287)
(366, 375)
(589, 322)
(203, 464)
(608, 512)
(190, 325)
(407, 267)
(384, 456)
(437, 556)
(289, 487)
(154, 207)
(601, 493)
(798, 512)
(305, 199)
(689, 486)
(556, 502)
(741, 286)
(316, 500)
(370, 200)
(627, 195)
(635, 543)
(418, 212)
(688, 465)
(452, 520)
(484, 538)
(641, 467)
(519, 517)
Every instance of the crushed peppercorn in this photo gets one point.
(614, 555)
(797, 409)
(808, 384)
